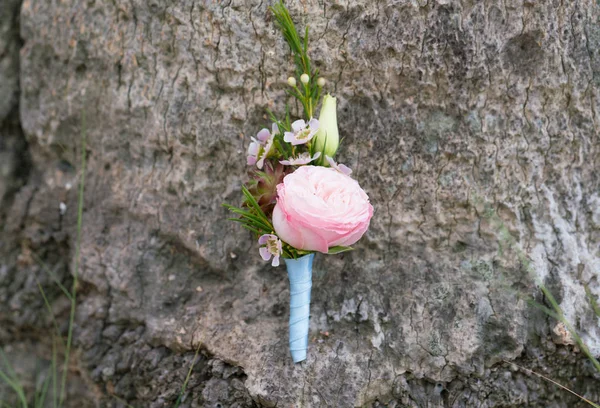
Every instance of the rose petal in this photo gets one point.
(295, 234)
(284, 229)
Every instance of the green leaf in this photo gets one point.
(253, 220)
(249, 216)
(339, 249)
(250, 226)
(252, 202)
(306, 40)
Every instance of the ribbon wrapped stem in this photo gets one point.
(300, 276)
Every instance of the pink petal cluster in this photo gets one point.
(260, 147)
(302, 132)
(303, 158)
(272, 248)
(320, 207)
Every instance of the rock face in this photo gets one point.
(456, 115)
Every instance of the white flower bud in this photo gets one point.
(327, 138)
(321, 82)
(304, 78)
(291, 81)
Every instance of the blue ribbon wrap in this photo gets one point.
(300, 276)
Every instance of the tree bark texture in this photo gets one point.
(455, 115)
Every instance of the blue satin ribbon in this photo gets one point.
(300, 275)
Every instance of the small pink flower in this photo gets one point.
(259, 148)
(304, 158)
(253, 150)
(272, 248)
(339, 167)
(302, 132)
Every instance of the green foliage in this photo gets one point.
(252, 218)
(10, 378)
(308, 94)
(298, 46)
(7, 374)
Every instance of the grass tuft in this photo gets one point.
(73, 297)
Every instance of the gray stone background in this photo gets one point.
(450, 110)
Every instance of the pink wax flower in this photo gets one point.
(302, 132)
(260, 147)
(339, 167)
(320, 207)
(272, 248)
(303, 158)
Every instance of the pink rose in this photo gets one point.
(319, 207)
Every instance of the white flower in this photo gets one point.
(260, 148)
(272, 248)
(304, 158)
(302, 132)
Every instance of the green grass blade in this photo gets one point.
(187, 378)
(13, 382)
(11, 379)
(9, 368)
(52, 275)
(555, 383)
(41, 399)
(55, 324)
(10, 382)
(54, 374)
(77, 252)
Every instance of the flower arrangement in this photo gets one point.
(299, 200)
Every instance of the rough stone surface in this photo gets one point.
(450, 110)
